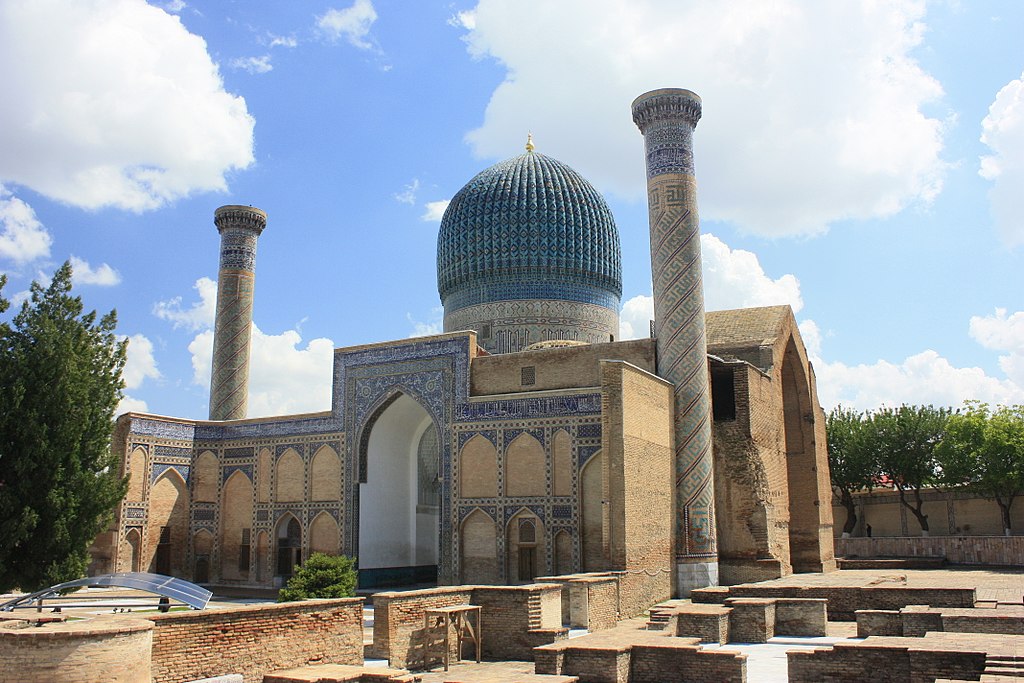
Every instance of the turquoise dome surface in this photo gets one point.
(529, 227)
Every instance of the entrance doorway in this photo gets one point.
(289, 547)
(399, 496)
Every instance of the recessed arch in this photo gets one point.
(236, 527)
(288, 539)
(134, 542)
(205, 474)
(264, 464)
(592, 513)
(396, 541)
(291, 477)
(324, 535)
(167, 529)
(136, 475)
(325, 475)
(202, 553)
(525, 467)
(525, 547)
(478, 468)
(561, 463)
(563, 552)
(478, 548)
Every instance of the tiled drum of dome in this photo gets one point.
(667, 119)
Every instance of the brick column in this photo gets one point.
(667, 118)
(239, 227)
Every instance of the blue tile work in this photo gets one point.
(526, 408)
(584, 454)
(432, 371)
(529, 218)
(162, 429)
(667, 119)
(589, 431)
(228, 470)
(238, 452)
(285, 426)
(183, 470)
(502, 288)
(489, 434)
(171, 453)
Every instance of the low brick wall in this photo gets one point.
(844, 601)
(981, 550)
(96, 650)
(589, 601)
(888, 661)
(513, 621)
(915, 621)
(672, 664)
(878, 622)
(256, 639)
(752, 620)
(801, 617)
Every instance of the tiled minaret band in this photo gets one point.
(239, 228)
(667, 119)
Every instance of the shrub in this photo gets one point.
(322, 576)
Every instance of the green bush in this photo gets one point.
(322, 576)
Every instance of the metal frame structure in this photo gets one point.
(167, 587)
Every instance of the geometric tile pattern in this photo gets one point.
(239, 229)
(667, 119)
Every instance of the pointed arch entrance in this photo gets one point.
(398, 535)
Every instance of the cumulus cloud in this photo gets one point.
(84, 274)
(408, 193)
(733, 278)
(130, 112)
(434, 211)
(254, 65)
(200, 315)
(283, 41)
(813, 112)
(352, 23)
(435, 324)
(1003, 133)
(284, 377)
(140, 365)
(1001, 332)
(22, 237)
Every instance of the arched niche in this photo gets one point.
(264, 463)
(291, 477)
(167, 532)
(202, 554)
(324, 535)
(479, 549)
(288, 539)
(525, 547)
(478, 469)
(236, 527)
(136, 475)
(206, 476)
(563, 552)
(325, 475)
(561, 463)
(133, 539)
(592, 512)
(525, 467)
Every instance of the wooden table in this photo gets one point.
(457, 616)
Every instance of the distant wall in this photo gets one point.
(950, 513)
(255, 639)
(982, 550)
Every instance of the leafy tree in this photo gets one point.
(322, 576)
(852, 464)
(984, 450)
(903, 441)
(60, 371)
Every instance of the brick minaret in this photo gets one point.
(667, 118)
(239, 227)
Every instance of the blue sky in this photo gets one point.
(859, 161)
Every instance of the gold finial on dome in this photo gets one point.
(529, 142)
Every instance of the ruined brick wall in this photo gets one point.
(399, 634)
(637, 442)
(516, 619)
(255, 639)
(674, 664)
(894, 661)
(96, 650)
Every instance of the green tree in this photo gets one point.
(984, 450)
(60, 371)
(321, 576)
(903, 441)
(851, 463)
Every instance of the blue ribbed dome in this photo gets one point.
(528, 228)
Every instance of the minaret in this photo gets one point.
(239, 227)
(667, 118)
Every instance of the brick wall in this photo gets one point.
(255, 639)
(889, 661)
(878, 622)
(674, 664)
(985, 550)
(514, 620)
(92, 651)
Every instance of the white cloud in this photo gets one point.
(352, 23)
(201, 315)
(734, 278)
(22, 237)
(284, 378)
(635, 317)
(925, 377)
(434, 211)
(84, 274)
(812, 111)
(1000, 332)
(435, 325)
(174, 6)
(254, 65)
(1003, 133)
(408, 193)
(130, 112)
(283, 41)
(466, 20)
(128, 404)
(140, 364)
